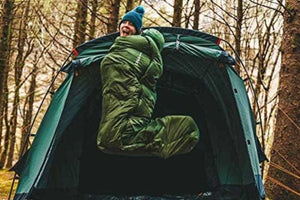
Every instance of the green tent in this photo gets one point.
(199, 80)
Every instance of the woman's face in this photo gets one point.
(127, 28)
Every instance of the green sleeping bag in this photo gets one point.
(129, 74)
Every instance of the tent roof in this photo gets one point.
(164, 30)
(207, 45)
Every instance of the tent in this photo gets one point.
(199, 80)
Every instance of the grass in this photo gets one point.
(6, 178)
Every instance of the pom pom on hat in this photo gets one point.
(140, 9)
(136, 17)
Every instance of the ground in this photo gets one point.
(6, 178)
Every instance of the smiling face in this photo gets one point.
(127, 28)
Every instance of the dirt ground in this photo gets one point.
(6, 179)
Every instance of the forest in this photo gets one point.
(38, 35)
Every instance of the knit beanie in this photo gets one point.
(136, 17)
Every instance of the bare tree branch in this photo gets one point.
(229, 14)
(260, 4)
(162, 16)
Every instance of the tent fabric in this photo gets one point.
(247, 120)
(42, 145)
(64, 160)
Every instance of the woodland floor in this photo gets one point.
(6, 178)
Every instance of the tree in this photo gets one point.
(4, 153)
(265, 61)
(92, 23)
(113, 18)
(196, 14)
(238, 30)
(18, 67)
(80, 23)
(177, 13)
(28, 106)
(5, 43)
(283, 175)
(129, 5)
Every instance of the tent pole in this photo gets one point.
(252, 89)
(31, 126)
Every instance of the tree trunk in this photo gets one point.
(177, 13)
(93, 19)
(3, 157)
(19, 65)
(286, 146)
(129, 5)
(227, 34)
(262, 59)
(5, 42)
(80, 23)
(1, 130)
(238, 32)
(28, 111)
(112, 25)
(196, 14)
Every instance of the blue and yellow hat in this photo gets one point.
(136, 17)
